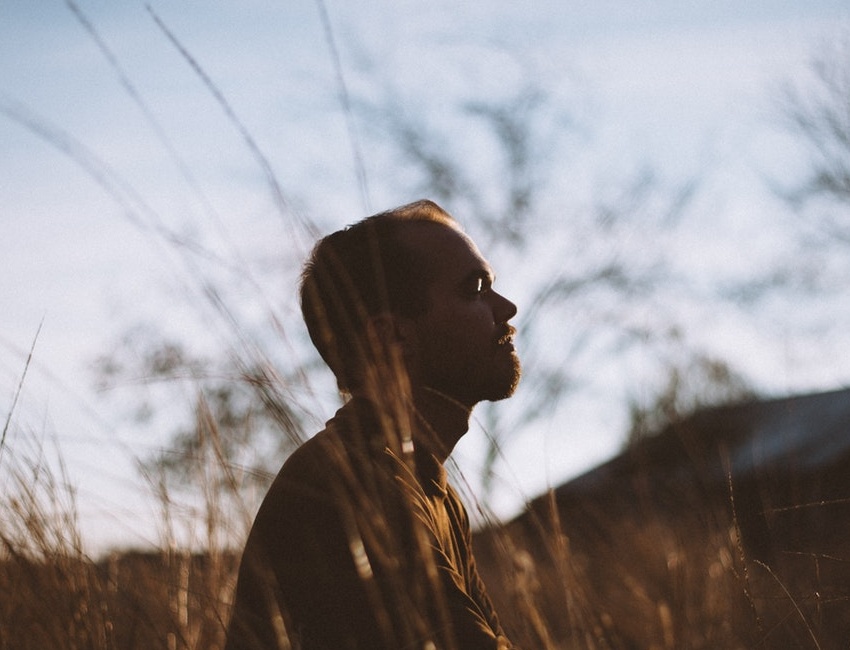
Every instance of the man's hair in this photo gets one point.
(357, 273)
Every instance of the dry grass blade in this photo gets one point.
(278, 194)
(345, 100)
(793, 601)
(19, 388)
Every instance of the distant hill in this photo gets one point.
(730, 528)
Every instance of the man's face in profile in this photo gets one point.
(464, 343)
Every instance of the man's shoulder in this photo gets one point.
(311, 464)
(313, 451)
(334, 464)
(334, 437)
(302, 488)
(325, 455)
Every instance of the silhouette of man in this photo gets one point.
(361, 542)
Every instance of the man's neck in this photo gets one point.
(444, 421)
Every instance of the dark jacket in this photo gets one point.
(360, 545)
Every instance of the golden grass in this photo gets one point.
(562, 578)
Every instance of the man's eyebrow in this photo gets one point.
(480, 273)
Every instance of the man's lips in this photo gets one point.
(506, 337)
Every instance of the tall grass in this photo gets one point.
(175, 594)
(600, 574)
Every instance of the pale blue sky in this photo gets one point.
(681, 86)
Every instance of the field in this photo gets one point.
(647, 551)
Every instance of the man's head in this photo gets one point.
(410, 277)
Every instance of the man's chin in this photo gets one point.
(507, 388)
(495, 387)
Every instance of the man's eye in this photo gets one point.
(479, 286)
(475, 286)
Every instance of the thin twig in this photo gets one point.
(793, 602)
(739, 539)
(159, 131)
(20, 387)
(359, 167)
(277, 191)
(812, 504)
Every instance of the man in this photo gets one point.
(360, 542)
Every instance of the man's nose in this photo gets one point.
(503, 309)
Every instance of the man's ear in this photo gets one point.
(392, 328)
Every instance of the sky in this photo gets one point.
(97, 106)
